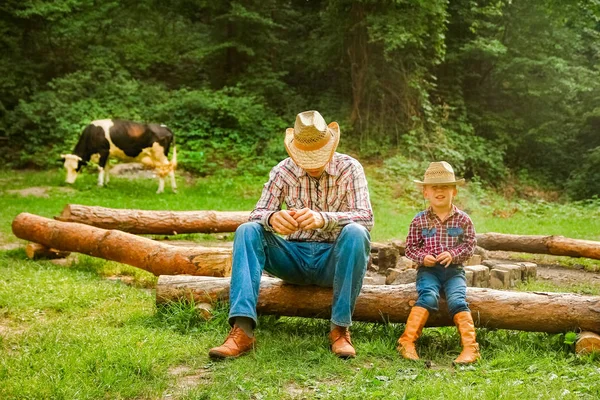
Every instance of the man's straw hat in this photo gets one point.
(439, 173)
(311, 142)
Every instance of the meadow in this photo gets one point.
(80, 332)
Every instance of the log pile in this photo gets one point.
(114, 245)
(554, 245)
(540, 312)
(154, 222)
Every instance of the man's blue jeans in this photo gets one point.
(452, 280)
(341, 265)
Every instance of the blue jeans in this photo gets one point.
(341, 265)
(452, 279)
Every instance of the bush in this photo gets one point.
(584, 181)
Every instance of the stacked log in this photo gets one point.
(540, 312)
(114, 245)
(154, 222)
(554, 245)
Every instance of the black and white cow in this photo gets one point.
(128, 141)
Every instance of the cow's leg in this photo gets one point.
(106, 174)
(161, 184)
(100, 176)
(173, 183)
(102, 167)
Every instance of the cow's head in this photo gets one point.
(72, 165)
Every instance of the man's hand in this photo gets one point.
(429, 261)
(444, 258)
(308, 219)
(283, 222)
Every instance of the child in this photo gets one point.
(440, 239)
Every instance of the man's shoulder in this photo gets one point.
(342, 158)
(286, 165)
(346, 165)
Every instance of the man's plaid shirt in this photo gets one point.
(429, 235)
(341, 196)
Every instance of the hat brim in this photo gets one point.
(458, 182)
(313, 159)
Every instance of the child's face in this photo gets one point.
(440, 196)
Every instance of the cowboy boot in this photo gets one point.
(341, 345)
(466, 328)
(236, 344)
(414, 326)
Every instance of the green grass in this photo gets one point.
(68, 333)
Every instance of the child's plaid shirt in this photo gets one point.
(429, 235)
(341, 196)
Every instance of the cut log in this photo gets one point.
(587, 342)
(37, 251)
(154, 222)
(527, 311)
(114, 245)
(555, 245)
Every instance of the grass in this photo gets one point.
(68, 333)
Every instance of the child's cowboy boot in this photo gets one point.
(414, 326)
(466, 328)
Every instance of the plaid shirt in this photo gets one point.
(429, 235)
(340, 195)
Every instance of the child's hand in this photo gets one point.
(444, 258)
(429, 261)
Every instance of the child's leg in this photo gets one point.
(455, 289)
(428, 289)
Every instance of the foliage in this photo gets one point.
(494, 86)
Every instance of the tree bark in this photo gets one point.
(527, 311)
(36, 251)
(555, 245)
(114, 245)
(154, 222)
(587, 342)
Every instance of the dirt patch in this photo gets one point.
(7, 330)
(550, 269)
(295, 391)
(558, 274)
(186, 378)
(5, 244)
(39, 191)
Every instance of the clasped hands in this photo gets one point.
(290, 221)
(444, 258)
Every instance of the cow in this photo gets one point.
(127, 141)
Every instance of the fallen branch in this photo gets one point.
(527, 311)
(114, 245)
(154, 222)
(555, 245)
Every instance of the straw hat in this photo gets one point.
(311, 142)
(440, 172)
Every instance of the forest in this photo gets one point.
(502, 89)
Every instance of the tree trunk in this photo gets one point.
(36, 251)
(154, 222)
(114, 245)
(555, 245)
(587, 342)
(527, 311)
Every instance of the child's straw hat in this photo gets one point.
(439, 173)
(311, 143)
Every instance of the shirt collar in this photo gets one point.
(431, 214)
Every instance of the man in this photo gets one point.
(326, 223)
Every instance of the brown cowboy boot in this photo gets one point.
(466, 328)
(236, 344)
(414, 326)
(341, 345)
